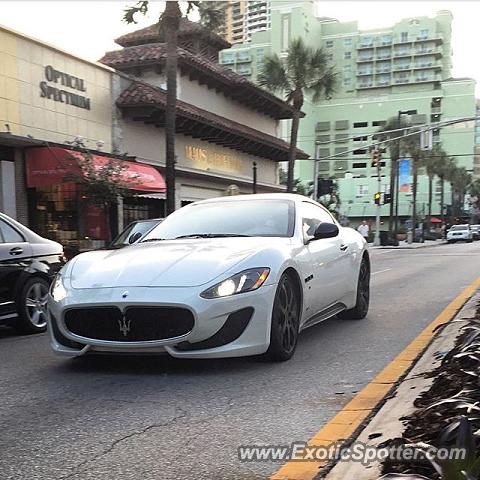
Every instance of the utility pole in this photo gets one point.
(376, 162)
(254, 177)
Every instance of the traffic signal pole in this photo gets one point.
(377, 160)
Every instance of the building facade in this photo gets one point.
(57, 110)
(405, 67)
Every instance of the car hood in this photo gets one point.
(175, 263)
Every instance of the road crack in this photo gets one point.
(116, 442)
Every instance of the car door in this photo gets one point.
(15, 254)
(325, 260)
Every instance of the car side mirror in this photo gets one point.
(325, 230)
(135, 237)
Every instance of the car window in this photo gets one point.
(8, 234)
(460, 227)
(263, 218)
(312, 216)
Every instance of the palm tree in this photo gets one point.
(169, 21)
(433, 161)
(304, 71)
(411, 146)
(444, 169)
(460, 183)
(391, 131)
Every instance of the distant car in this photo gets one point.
(460, 233)
(134, 232)
(475, 231)
(28, 264)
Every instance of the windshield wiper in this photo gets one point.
(153, 240)
(211, 235)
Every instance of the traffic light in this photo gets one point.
(387, 198)
(376, 157)
(377, 197)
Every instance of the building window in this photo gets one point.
(379, 123)
(386, 39)
(347, 43)
(404, 36)
(362, 190)
(347, 56)
(330, 57)
(423, 34)
(329, 43)
(347, 68)
(359, 165)
(360, 151)
(360, 124)
(347, 82)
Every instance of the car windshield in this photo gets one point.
(460, 227)
(253, 218)
(140, 227)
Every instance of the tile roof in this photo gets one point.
(140, 95)
(186, 28)
(232, 84)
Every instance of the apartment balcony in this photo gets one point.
(364, 59)
(399, 41)
(402, 54)
(228, 61)
(438, 52)
(401, 68)
(362, 46)
(364, 85)
(244, 59)
(384, 56)
(437, 38)
(365, 73)
(383, 70)
(428, 65)
(402, 81)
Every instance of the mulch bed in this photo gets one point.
(455, 377)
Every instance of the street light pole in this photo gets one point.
(254, 177)
(376, 240)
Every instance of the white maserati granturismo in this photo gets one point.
(230, 276)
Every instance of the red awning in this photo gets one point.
(435, 220)
(46, 166)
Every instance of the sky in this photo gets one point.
(87, 28)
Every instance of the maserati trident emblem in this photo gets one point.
(125, 294)
(124, 325)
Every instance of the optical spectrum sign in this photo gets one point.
(207, 159)
(60, 95)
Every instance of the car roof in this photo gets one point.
(260, 196)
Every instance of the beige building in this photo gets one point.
(226, 125)
(56, 110)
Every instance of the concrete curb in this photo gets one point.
(386, 424)
(407, 247)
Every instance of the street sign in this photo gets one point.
(426, 139)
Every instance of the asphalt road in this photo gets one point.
(160, 418)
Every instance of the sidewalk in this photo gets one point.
(405, 245)
(389, 421)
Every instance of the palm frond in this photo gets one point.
(129, 13)
(274, 75)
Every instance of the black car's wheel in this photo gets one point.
(285, 321)
(32, 306)
(360, 309)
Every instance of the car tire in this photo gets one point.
(285, 321)
(32, 306)
(360, 310)
(469, 241)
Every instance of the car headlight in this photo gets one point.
(242, 282)
(58, 291)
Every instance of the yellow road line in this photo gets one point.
(347, 421)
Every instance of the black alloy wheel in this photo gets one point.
(285, 321)
(360, 309)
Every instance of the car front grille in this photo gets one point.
(136, 324)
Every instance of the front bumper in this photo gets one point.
(210, 315)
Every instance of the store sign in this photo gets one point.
(47, 90)
(209, 159)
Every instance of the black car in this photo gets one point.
(28, 264)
